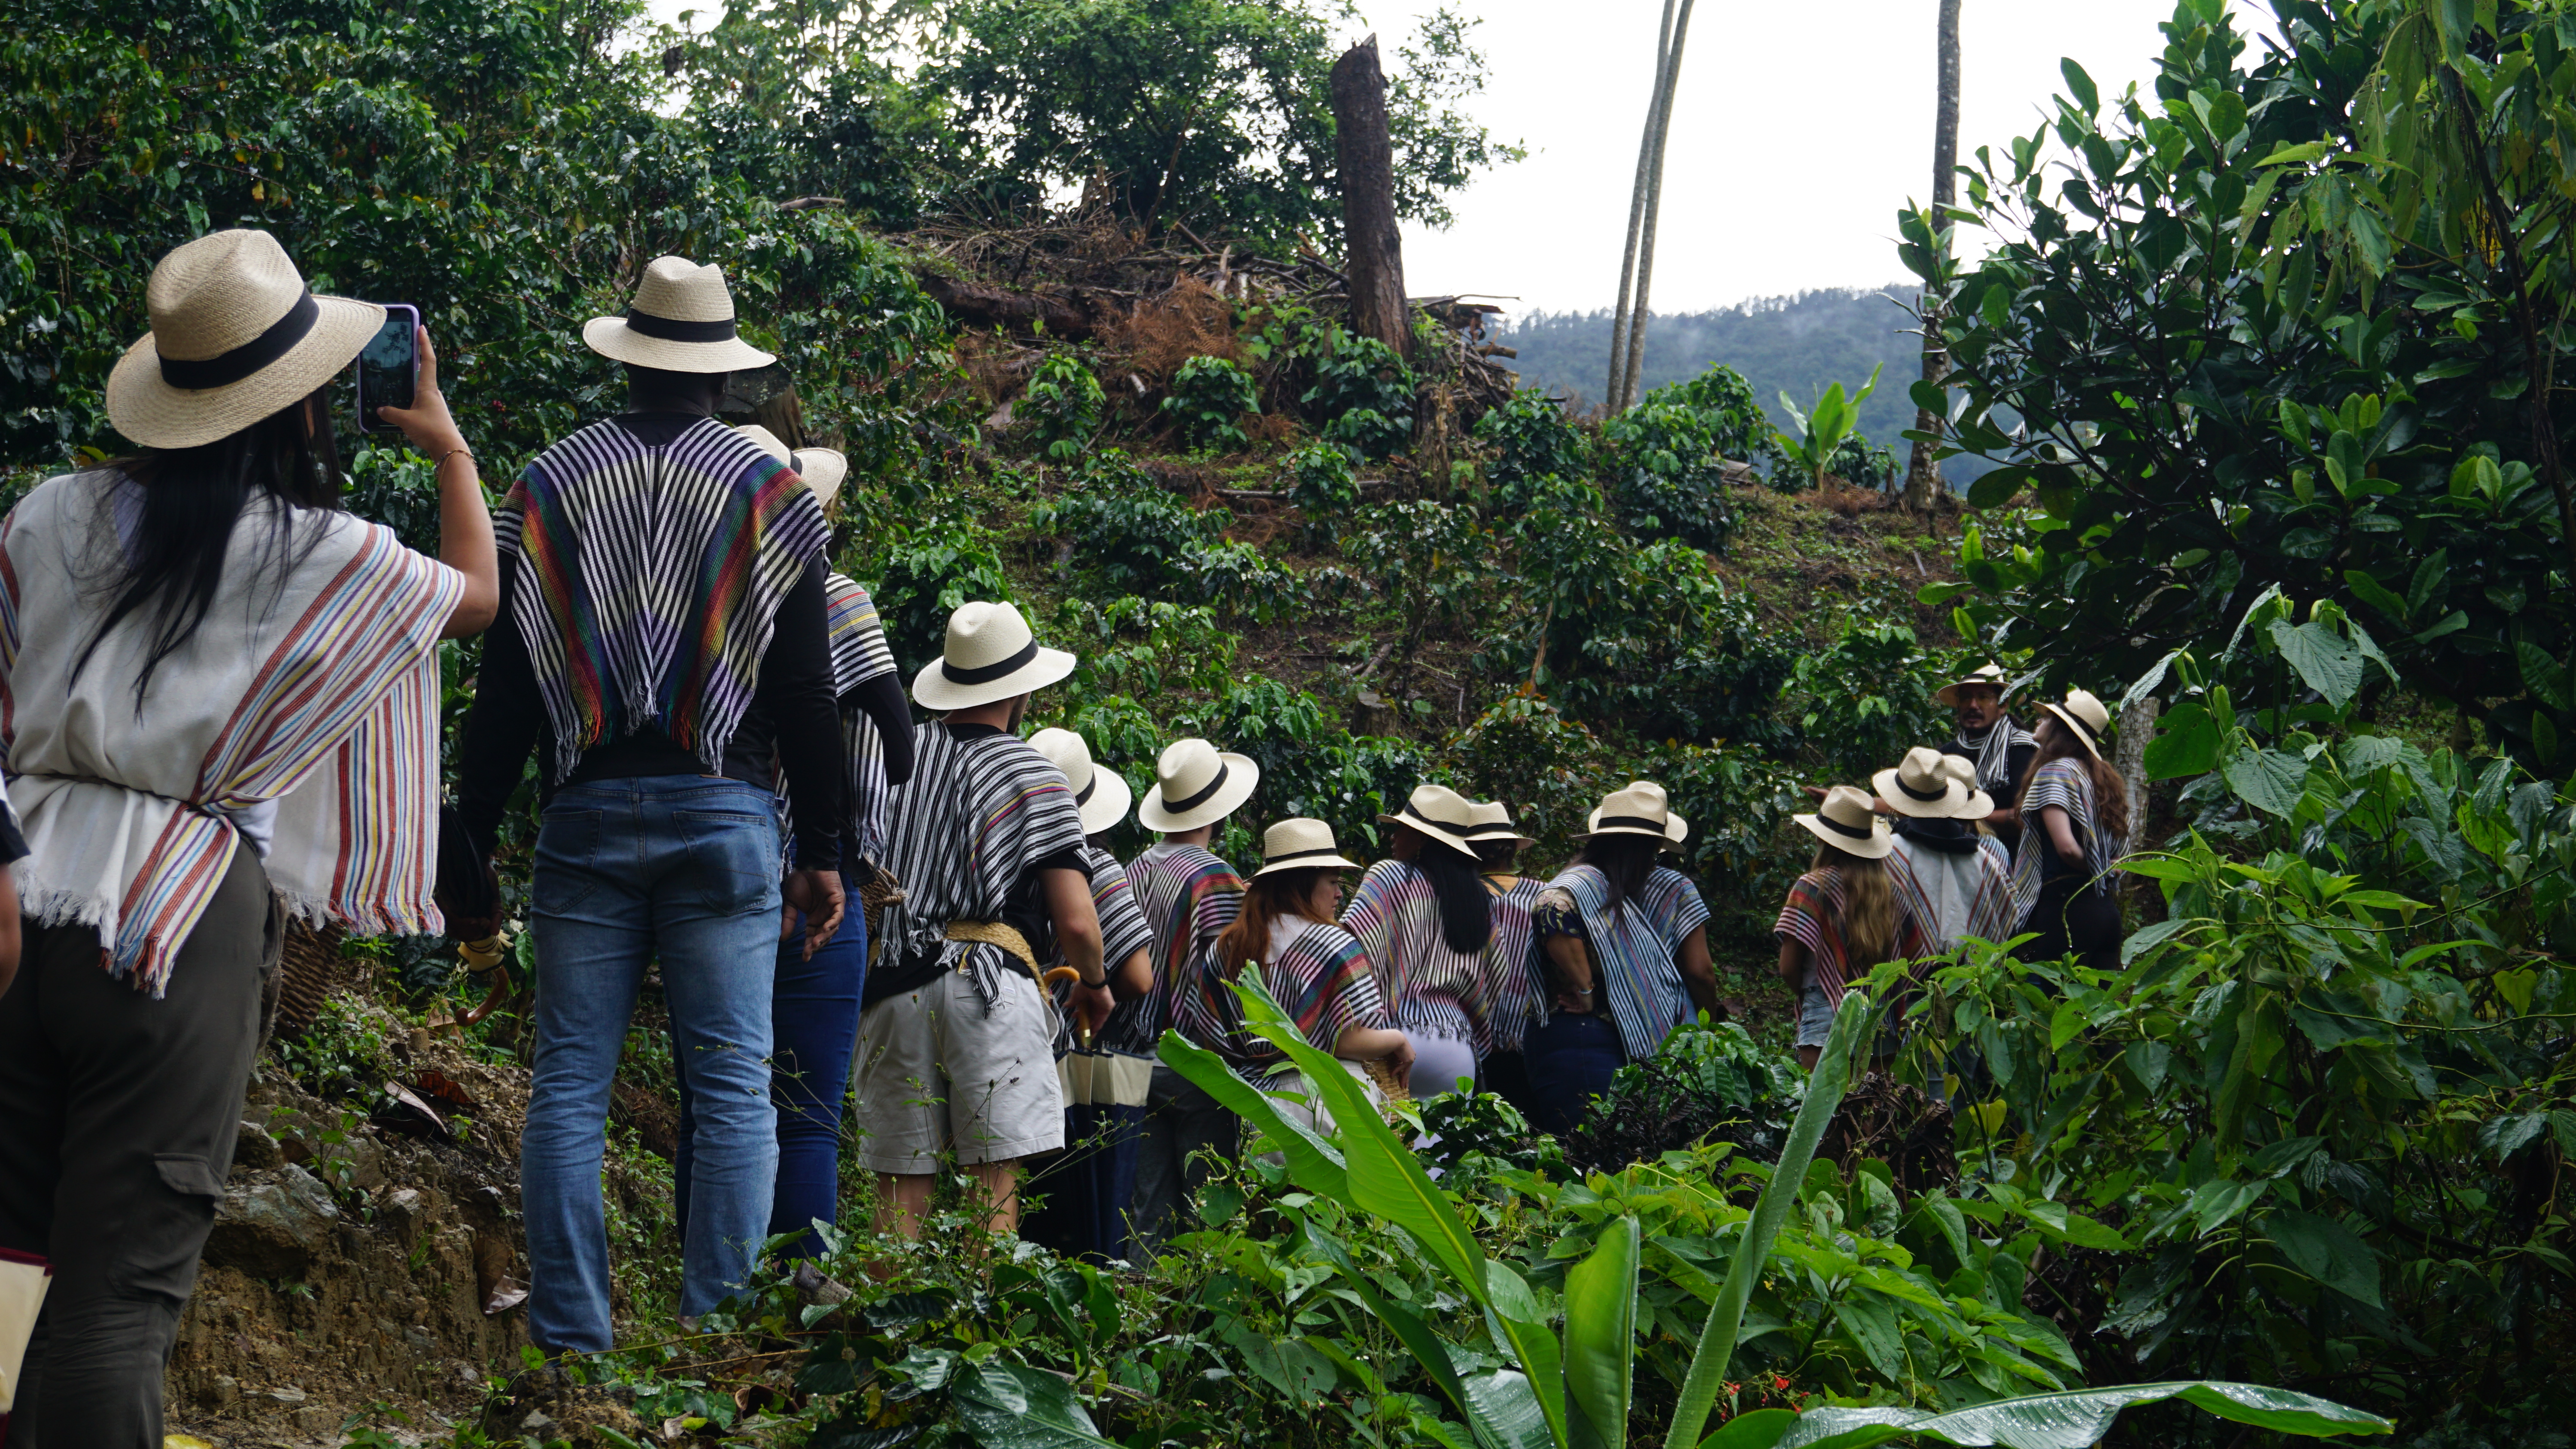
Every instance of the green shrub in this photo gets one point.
(1738, 428)
(1063, 405)
(1864, 464)
(1664, 477)
(1532, 441)
(1863, 702)
(1322, 482)
(1127, 532)
(1704, 1084)
(1206, 396)
(1363, 394)
(920, 575)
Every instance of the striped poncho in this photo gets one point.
(1122, 927)
(1673, 905)
(2068, 785)
(1395, 913)
(1188, 898)
(1955, 892)
(648, 581)
(1812, 916)
(1519, 995)
(1317, 972)
(1637, 976)
(312, 683)
(859, 654)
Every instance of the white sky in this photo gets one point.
(1798, 132)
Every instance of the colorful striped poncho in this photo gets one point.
(649, 579)
(1955, 893)
(859, 654)
(1395, 913)
(1813, 917)
(1123, 932)
(1519, 993)
(1636, 974)
(311, 683)
(2068, 785)
(1317, 972)
(1673, 905)
(1188, 898)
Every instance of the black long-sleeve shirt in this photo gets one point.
(791, 722)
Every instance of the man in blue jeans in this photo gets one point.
(662, 646)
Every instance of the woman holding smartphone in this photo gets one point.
(221, 698)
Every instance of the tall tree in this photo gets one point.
(1922, 470)
(1636, 349)
(1367, 177)
(1616, 386)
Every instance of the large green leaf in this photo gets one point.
(2323, 658)
(1854, 1022)
(1009, 1406)
(2186, 743)
(2327, 1251)
(1313, 1163)
(1428, 1349)
(2075, 1419)
(1601, 1331)
(2269, 780)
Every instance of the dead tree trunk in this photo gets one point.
(1367, 170)
(1654, 209)
(1616, 387)
(1922, 474)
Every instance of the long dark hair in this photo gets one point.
(1265, 899)
(192, 498)
(2110, 792)
(1466, 907)
(1625, 859)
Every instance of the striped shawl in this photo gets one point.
(1123, 932)
(859, 654)
(1395, 913)
(312, 682)
(1955, 896)
(1637, 974)
(649, 581)
(1317, 972)
(1188, 898)
(2068, 785)
(1812, 916)
(1519, 995)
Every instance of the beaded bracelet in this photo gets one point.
(441, 460)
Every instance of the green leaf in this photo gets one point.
(2376, 594)
(2186, 743)
(2546, 676)
(2323, 658)
(2298, 155)
(2269, 780)
(1427, 1348)
(2074, 1419)
(1009, 1406)
(1760, 1429)
(1601, 1331)
(1505, 1412)
(2428, 581)
(1871, 1322)
(1313, 1163)
(1855, 1021)
(2327, 1251)
(1995, 489)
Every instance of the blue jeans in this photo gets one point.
(1571, 1061)
(814, 1021)
(683, 868)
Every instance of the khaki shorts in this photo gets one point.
(935, 1072)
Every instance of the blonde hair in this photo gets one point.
(1869, 906)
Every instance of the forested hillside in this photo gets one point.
(2282, 352)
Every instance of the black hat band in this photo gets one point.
(987, 673)
(1837, 827)
(1630, 822)
(1925, 795)
(672, 330)
(1177, 807)
(226, 368)
(1090, 788)
(1301, 855)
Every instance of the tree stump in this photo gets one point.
(1367, 177)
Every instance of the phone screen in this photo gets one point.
(387, 366)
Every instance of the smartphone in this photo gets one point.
(389, 367)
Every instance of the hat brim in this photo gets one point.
(1876, 847)
(1431, 830)
(1949, 693)
(1242, 777)
(1489, 837)
(1111, 796)
(822, 470)
(1329, 862)
(933, 689)
(153, 413)
(611, 338)
(1953, 804)
(1675, 831)
(2083, 731)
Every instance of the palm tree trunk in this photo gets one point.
(1654, 205)
(1922, 474)
(1618, 380)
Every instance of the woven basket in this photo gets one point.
(881, 891)
(1395, 1087)
(309, 966)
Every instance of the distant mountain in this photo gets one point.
(1799, 344)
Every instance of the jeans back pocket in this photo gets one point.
(734, 858)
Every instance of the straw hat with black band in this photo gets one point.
(681, 321)
(2085, 715)
(990, 656)
(1196, 784)
(1923, 787)
(1991, 676)
(819, 469)
(1491, 820)
(1439, 813)
(1640, 808)
(1298, 843)
(236, 336)
(1846, 823)
(1100, 796)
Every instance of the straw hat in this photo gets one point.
(821, 469)
(681, 321)
(1846, 823)
(989, 655)
(1300, 844)
(235, 336)
(1195, 785)
(1989, 675)
(1924, 786)
(1641, 808)
(2085, 715)
(1491, 820)
(1438, 813)
(1100, 796)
